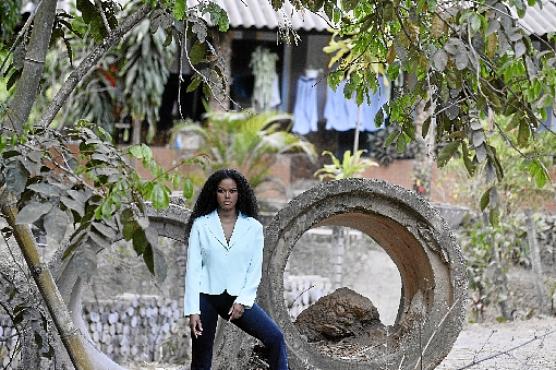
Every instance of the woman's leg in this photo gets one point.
(201, 347)
(257, 323)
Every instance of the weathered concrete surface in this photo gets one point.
(410, 231)
(418, 241)
(343, 314)
(169, 223)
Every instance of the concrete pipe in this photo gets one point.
(416, 238)
(169, 223)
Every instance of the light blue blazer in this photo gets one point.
(213, 265)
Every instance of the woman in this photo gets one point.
(224, 262)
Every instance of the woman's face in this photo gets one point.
(227, 195)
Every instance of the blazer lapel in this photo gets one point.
(215, 228)
(240, 228)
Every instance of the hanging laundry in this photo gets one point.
(266, 94)
(305, 116)
(369, 110)
(340, 113)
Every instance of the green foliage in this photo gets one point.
(246, 141)
(9, 18)
(80, 190)
(469, 63)
(489, 252)
(95, 17)
(144, 61)
(350, 166)
(21, 303)
(526, 183)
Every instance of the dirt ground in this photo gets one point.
(523, 345)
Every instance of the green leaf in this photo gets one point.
(218, 16)
(485, 198)
(447, 153)
(188, 189)
(156, 263)
(148, 257)
(135, 151)
(195, 82)
(403, 140)
(140, 241)
(469, 165)
(141, 151)
(197, 53)
(159, 195)
(13, 78)
(475, 22)
(524, 133)
(129, 229)
(494, 216)
(391, 137)
(91, 16)
(539, 173)
(179, 9)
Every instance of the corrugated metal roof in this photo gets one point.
(259, 14)
(539, 20)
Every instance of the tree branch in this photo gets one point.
(70, 336)
(88, 63)
(19, 36)
(103, 16)
(27, 86)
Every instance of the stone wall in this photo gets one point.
(138, 328)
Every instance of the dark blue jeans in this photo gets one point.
(254, 322)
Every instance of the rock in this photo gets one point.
(341, 314)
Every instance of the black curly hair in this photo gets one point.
(206, 202)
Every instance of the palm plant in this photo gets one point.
(246, 141)
(350, 166)
(145, 60)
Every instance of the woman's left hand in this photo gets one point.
(236, 311)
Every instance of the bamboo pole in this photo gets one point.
(71, 337)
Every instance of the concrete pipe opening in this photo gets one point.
(416, 238)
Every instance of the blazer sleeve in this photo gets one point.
(248, 291)
(193, 273)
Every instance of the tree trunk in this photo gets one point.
(26, 88)
(220, 101)
(136, 132)
(71, 337)
(424, 158)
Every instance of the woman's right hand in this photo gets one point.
(195, 325)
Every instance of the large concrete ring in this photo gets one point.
(169, 223)
(419, 242)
